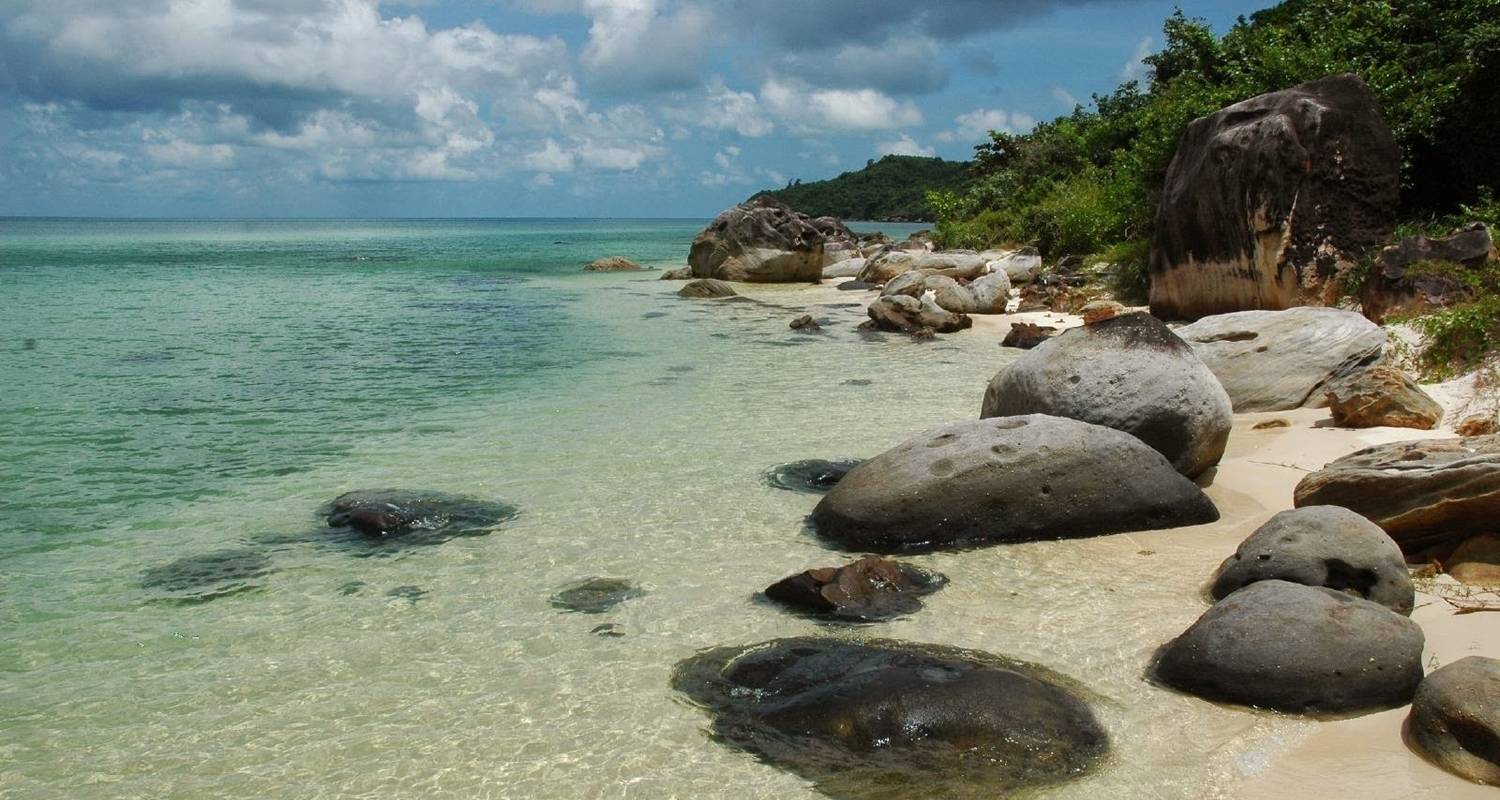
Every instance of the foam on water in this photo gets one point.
(214, 400)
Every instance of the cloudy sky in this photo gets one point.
(522, 107)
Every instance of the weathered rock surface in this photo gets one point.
(761, 241)
(596, 595)
(1269, 200)
(1050, 293)
(1324, 546)
(1477, 425)
(1026, 335)
(886, 265)
(848, 268)
(887, 721)
(209, 576)
(1007, 479)
(1421, 493)
(1476, 561)
(857, 286)
(612, 264)
(681, 274)
(1278, 360)
(1021, 266)
(1130, 373)
(706, 289)
(987, 294)
(1455, 719)
(866, 590)
(905, 314)
(1383, 396)
(813, 476)
(1393, 287)
(1098, 310)
(1299, 649)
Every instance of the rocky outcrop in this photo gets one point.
(1299, 649)
(761, 241)
(612, 264)
(1455, 719)
(1026, 335)
(1268, 201)
(1383, 396)
(887, 720)
(813, 476)
(596, 595)
(1323, 546)
(1397, 285)
(1130, 373)
(1007, 479)
(706, 289)
(1277, 360)
(987, 294)
(884, 266)
(415, 517)
(1050, 293)
(904, 314)
(867, 590)
(1422, 493)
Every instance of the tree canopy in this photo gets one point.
(891, 189)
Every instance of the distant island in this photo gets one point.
(892, 189)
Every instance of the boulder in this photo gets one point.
(1026, 335)
(857, 286)
(890, 720)
(1324, 546)
(1007, 479)
(1476, 561)
(761, 241)
(1051, 294)
(1020, 266)
(905, 314)
(706, 289)
(1455, 719)
(1269, 201)
(1130, 373)
(1383, 396)
(1394, 287)
(681, 274)
(1298, 649)
(1477, 425)
(886, 265)
(612, 264)
(595, 595)
(415, 517)
(1097, 310)
(987, 294)
(813, 476)
(805, 323)
(848, 268)
(867, 590)
(1278, 360)
(1421, 493)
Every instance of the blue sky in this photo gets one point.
(522, 107)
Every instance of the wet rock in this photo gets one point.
(761, 241)
(1130, 373)
(1298, 649)
(1455, 719)
(608, 630)
(411, 594)
(1269, 201)
(1278, 360)
(1395, 287)
(1324, 546)
(706, 289)
(612, 264)
(866, 590)
(596, 595)
(857, 286)
(806, 324)
(1026, 335)
(412, 517)
(904, 314)
(1007, 479)
(813, 476)
(681, 274)
(1476, 561)
(208, 576)
(1383, 396)
(1421, 493)
(888, 721)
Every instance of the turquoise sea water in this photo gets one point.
(175, 389)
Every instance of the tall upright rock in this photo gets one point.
(1269, 200)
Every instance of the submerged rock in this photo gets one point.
(596, 595)
(1455, 719)
(806, 324)
(1383, 396)
(679, 274)
(208, 576)
(1299, 649)
(415, 517)
(813, 476)
(612, 264)
(706, 289)
(868, 589)
(1324, 546)
(1008, 479)
(892, 721)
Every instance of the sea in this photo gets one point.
(181, 399)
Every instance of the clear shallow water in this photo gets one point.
(178, 388)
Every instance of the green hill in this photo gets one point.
(892, 189)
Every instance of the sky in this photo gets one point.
(506, 108)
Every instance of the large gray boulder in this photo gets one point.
(1021, 266)
(886, 265)
(1421, 493)
(1269, 201)
(1299, 649)
(1455, 719)
(761, 241)
(847, 268)
(1008, 479)
(987, 294)
(1394, 287)
(1277, 360)
(1130, 373)
(904, 314)
(1324, 546)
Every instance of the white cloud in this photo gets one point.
(722, 108)
(551, 158)
(541, 180)
(1065, 97)
(903, 146)
(976, 125)
(810, 111)
(1135, 69)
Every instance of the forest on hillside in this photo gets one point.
(892, 189)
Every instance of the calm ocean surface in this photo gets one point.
(176, 389)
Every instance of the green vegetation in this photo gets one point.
(891, 189)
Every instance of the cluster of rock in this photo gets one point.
(1398, 285)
